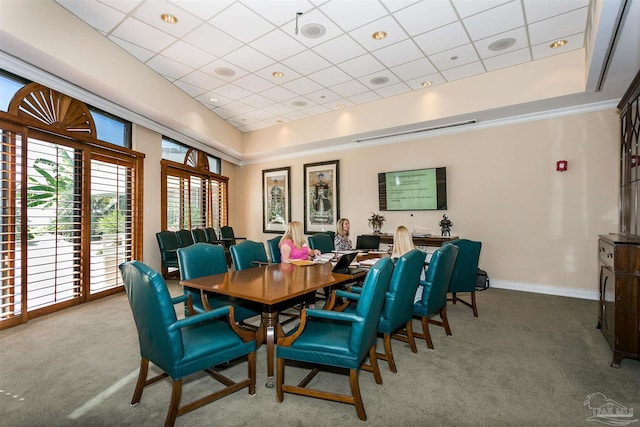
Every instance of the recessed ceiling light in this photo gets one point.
(277, 74)
(214, 99)
(279, 121)
(340, 105)
(169, 18)
(502, 44)
(313, 31)
(453, 58)
(558, 44)
(225, 72)
(379, 35)
(426, 84)
(298, 103)
(379, 80)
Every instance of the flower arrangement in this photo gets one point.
(376, 221)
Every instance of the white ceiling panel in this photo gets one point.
(352, 14)
(242, 23)
(361, 65)
(443, 38)
(558, 26)
(99, 16)
(543, 9)
(425, 16)
(508, 59)
(493, 21)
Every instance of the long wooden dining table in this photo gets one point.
(276, 287)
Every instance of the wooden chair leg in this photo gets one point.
(473, 304)
(142, 379)
(445, 320)
(389, 353)
(355, 391)
(174, 404)
(410, 338)
(251, 358)
(279, 380)
(426, 333)
(374, 365)
(453, 298)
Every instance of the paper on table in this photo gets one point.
(301, 262)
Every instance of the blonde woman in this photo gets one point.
(342, 242)
(403, 243)
(293, 245)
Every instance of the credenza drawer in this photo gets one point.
(605, 252)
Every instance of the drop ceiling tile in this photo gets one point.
(519, 35)
(443, 38)
(455, 57)
(191, 90)
(471, 7)
(98, 15)
(494, 21)
(239, 107)
(257, 101)
(139, 52)
(558, 27)
(203, 80)
(464, 71)
(306, 24)
(302, 86)
(253, 83)
(364, 34)
(242, 23)
(537, 10)
(295, 115)
(151, 11)
(187, 54)
(322, 96)
(306, 62)
(508, 59)
(351, 14)
(278, 45)
(279, 109)
(435, 79)
(395, 5)
(384, 74)
(399, 53)
(212, 40)
(224, 113)
(543, 50)
(232, 91)
(318, 109)
(340, 104)
(144, 35)
(278, 94)
(301, 102)
(340, 49)
(202, 9)
(261, 115)
(169, 67)
(249, 59)
(350, 88)
(414, 69)
(361, 66)
(267, 73)
(425, 16)
(213, 100)
(221, 65)
(330, 76)
(125, 6)
(364, 97)
(279, 12)
(393, 90)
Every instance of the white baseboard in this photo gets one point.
(545, 289)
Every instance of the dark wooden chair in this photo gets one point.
(168, 244)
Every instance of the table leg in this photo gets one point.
(271, 329)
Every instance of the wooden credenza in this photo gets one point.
(420, 241)
(619, 308)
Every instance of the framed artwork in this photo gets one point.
(321, 196)
(276, 200)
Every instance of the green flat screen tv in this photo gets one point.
(413, 190)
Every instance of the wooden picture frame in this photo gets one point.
(321, 196)
(276, 199)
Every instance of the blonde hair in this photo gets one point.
(340, 227)
(295, 233)
(402, 242)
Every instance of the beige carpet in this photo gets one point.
(528, 360)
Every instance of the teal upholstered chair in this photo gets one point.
(321, 241)
(397, 313)
(465, 272)
(212, 236)
(248, 254)
(199, 235)
(185, 238)
(334, 339)
(205, 259)
(228, 236)
(274, 250)
(434, 295)
(168, 244)
(186, 346)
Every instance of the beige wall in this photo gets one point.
(539, 227)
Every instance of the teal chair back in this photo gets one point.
(185, 238)
(199, 235)
(168, 244)
(466, 268)
(321, 241)
(274, 250)
(398, 305)
(248, 254)
(212, 236)
(436, 283)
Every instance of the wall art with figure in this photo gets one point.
(321, 198)
(276, 206)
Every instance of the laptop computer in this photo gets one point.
(344, 262)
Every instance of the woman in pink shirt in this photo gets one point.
(292, 244)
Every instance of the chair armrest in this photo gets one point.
(349, 295)
(259, 263)
(356, 289)
(199, 318)
(180, 298)
(319, 314)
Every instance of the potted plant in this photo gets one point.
(376, 221)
